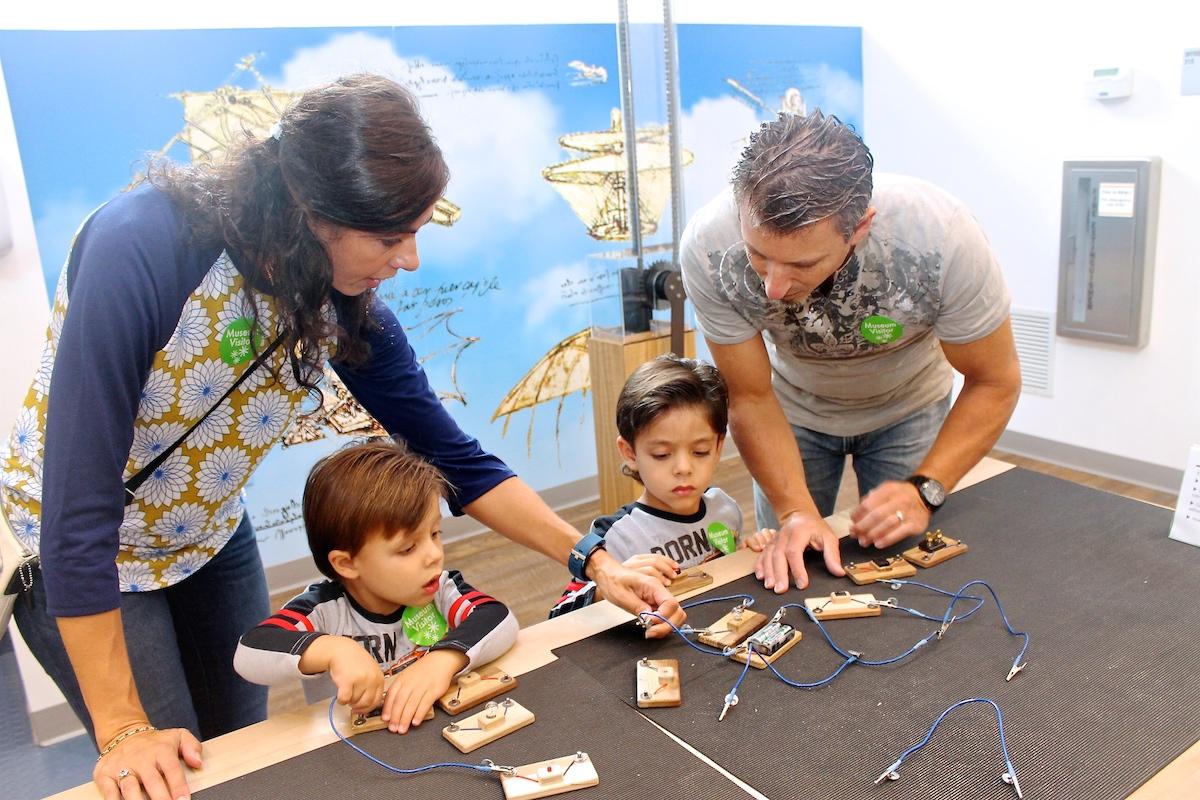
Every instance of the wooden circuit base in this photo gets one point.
(689, 579)
(657, 683)
(547, 778)
(758, 662)
(495, 721)
(364, 723)
(934, 549)
(475, 687)
(732, 628)
(879, 569)
(843, 605)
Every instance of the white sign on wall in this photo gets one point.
(1186, 527)
(1115, 200)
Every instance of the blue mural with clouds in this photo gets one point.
(498, 289)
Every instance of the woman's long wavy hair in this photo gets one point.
(355, 153)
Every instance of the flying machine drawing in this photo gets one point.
(594, 185)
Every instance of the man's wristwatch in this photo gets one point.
(581, 552)
(932, 493)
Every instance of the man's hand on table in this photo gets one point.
(892, 511)
(783, 558)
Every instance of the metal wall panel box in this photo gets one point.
(1106, 261)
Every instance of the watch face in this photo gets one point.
(933, 492)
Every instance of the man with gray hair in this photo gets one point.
(837, 308)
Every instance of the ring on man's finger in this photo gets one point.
(123, 774)
(900, 516)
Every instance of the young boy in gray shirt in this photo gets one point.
(672, 416)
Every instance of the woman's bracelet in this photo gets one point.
(122, 736)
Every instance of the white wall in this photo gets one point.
(987, 101)
(992, 116)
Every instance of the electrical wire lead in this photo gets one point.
(747, 601)
(1010, 777)
(1017, 666)
(731, 699)
(486, 766)
(858, 656)
(683, 633)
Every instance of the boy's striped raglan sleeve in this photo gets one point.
(269, 653)
(480, 626)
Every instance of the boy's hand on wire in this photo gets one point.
(413, 692)
(354, 672)
(654, 565)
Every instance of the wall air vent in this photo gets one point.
(1033, 332)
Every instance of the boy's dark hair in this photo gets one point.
(666, 383)
(366, 489)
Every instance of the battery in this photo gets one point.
(771, 638)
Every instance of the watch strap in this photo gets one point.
(919, 481)
(581, 551)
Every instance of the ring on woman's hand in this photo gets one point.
(900, 516)
(123, 774)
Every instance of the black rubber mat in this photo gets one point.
(1111, 693)
(573, 713)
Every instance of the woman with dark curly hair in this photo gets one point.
(195, 313)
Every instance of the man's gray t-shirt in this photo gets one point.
(866, 354)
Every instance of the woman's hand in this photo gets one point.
(636, 593)
(148, 765)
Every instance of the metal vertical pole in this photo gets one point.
(671, 58)
(671, 71)
(630, 125)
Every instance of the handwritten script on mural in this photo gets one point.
(422, 298)
(467, 76)
(279, 523)
(599, 285)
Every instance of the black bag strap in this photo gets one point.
(134, 483)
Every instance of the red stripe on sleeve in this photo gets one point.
(299, 619)
(465, 604)
(278, 623)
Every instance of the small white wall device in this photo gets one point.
(1109, 83)
(1191, 71)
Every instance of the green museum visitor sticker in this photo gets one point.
(878, 329)
(235, 342)
(720, 537)
(424, 626)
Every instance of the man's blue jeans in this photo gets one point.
(181, 642)
(888, 454)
